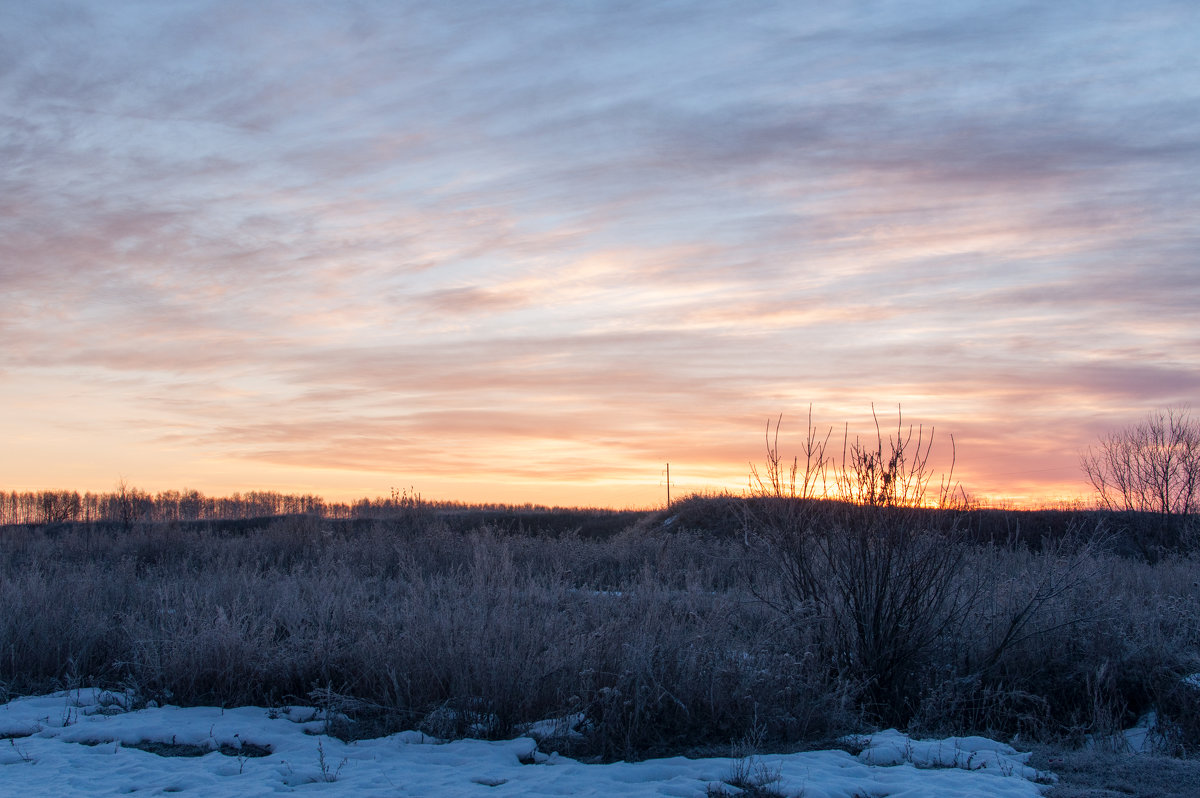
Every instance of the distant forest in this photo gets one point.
(128, 505)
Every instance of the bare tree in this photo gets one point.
(1151, 467)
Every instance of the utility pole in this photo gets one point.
(668, 486)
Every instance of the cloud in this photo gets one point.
(580, 240)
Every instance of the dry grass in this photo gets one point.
(665, 639)
(1091, 774)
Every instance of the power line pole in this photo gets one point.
(668, 486)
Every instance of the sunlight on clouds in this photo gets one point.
(535, 255)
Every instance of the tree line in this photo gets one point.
(127, 505)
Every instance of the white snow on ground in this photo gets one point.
(968, 753)
(79, 742)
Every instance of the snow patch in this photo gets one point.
(1142, 738)
(564, 728)
(50, 760)
(890, 748)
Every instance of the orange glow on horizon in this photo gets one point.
(622, 493)
(572, 247)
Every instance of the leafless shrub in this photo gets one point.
(329, 772)
(881, 580)
(894, 471)
(890, 471)
(778, 479)
(883, 587)
(748, 773)
(896, 588)
(1151, 467)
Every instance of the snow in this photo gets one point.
(80, 742)
(1143, 737)
(968, 753)
(1140, 739)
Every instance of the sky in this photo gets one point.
(534, 251)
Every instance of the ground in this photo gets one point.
(1092, 774)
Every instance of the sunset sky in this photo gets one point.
(533, 251)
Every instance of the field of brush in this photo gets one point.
(646, 634)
